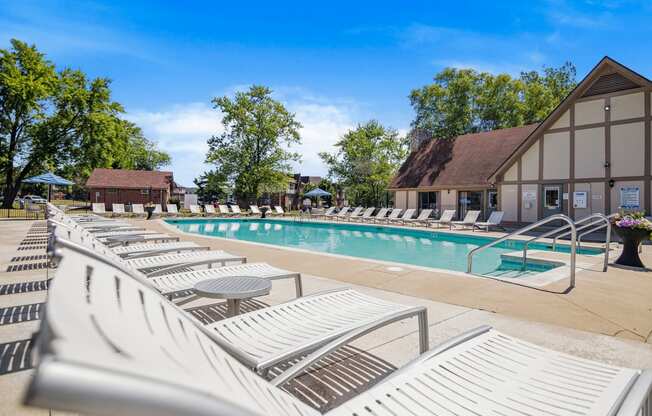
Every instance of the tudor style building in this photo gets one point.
(591, 154)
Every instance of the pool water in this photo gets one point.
(403, 245)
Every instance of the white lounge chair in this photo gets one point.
(138, 209)
(254, 210)
(224, 210)
(445, 219)
(341, 214)
(151, 249)
(495, 219)
(195, 210)
(158, 210)
(330, 212)
(172, 209)
(235, 209)
(209, 210)
(365, 215)
(380, 215)
(422, 218)
(99, 208)
(393, 215)
(409, 213)
(163, 263)
(356, 212)
(278, 210)
(118, 210)
(109, 344)
(469, 219)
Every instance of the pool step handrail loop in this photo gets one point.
(562, 217)
(592, 220)
(591, 228)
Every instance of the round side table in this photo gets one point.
(234, 289)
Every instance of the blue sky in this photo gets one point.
(334, 63)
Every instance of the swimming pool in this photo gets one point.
(392, 244)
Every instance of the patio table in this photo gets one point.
(234, 289)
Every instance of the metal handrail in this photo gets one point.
(602, 218)
(553, 232)
(571, 224)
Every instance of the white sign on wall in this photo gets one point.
(529, 195)
(580, 199)
(630, 197)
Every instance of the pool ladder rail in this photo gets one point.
(588, 225)
(562, 217)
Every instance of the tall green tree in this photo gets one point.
(462, 101)
(211, 186)
(253, 152)
(58, 120)
(365, 162)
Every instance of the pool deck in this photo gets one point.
(607, 317)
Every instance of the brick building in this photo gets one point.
(121, 186)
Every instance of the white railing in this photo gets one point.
(562, 217)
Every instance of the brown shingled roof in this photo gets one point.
(134, 179)
(467, 160)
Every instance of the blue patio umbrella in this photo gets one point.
(317, 192)
(49, 179)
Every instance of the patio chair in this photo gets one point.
(235, 209)
(99, 208)
(341, 214)
(422, 218)
(195, 210)
(209, 210)
(393, 215)
(223, 210)
(254, 210)
(158, 210)
(109, 344)
(172, 209)
(161, 263)
(469, 219)
(445, 219)
(138, 209)
(409, 213)
(278, 210)
(495, 220)
(380, 215)
(118, 210)
(365, 215)
(330, 212)
(356, 212)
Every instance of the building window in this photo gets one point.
(144, 191)
(112, 190)
(551, 199)
(427, 200)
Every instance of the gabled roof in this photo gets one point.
(132, 179)
(467, 160)
(607, 76)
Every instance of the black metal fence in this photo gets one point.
(22, 214)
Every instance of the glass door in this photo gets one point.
(552, 200)
(469, 201)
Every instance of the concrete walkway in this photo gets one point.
(454, 303)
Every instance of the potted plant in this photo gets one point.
(632, 228)
(149, 208)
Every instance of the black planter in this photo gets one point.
(149, 211)
(631, 240)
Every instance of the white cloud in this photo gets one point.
(183, 130)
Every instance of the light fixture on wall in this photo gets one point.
(607, 164)
(611, 183)
(607, 107)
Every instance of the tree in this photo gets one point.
(365, 162)
(253, 152)
(211, 186)
(59, 121)
(462, 101)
